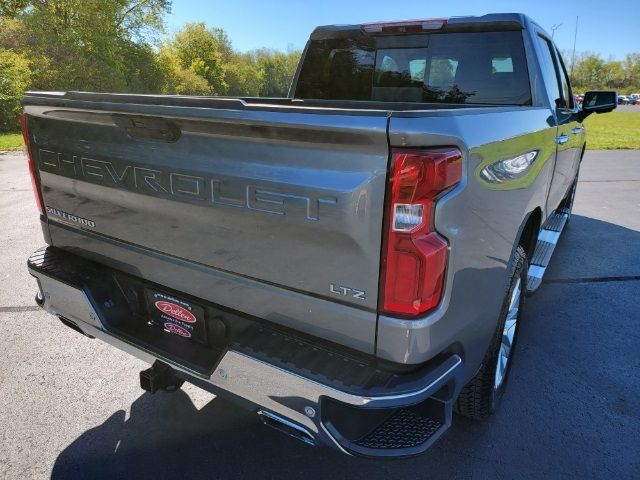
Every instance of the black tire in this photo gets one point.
(480, 397)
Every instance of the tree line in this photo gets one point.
(123, 46)
(592, 72)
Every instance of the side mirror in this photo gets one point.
(598, 102)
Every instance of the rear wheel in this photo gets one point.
(482, 395)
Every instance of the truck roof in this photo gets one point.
(498, 21)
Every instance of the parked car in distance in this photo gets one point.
(623, 100)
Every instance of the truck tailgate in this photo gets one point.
(289, 197)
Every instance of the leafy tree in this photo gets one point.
(208, 54)
(142, 69)
(201, 51)
(87, 44)
(613, 75)
(223, 44)
(279, 69)
(631, 68)
(11, 8)
(591, 71)
(108, 45)
(178, 80)
(15, 78)
(243, 75)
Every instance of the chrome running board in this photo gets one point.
(547, 241)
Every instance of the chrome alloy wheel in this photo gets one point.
(508, 334)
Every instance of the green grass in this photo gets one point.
(10, 141)
(613, 130)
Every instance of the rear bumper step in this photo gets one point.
(361, 411)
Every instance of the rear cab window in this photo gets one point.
(457, 67)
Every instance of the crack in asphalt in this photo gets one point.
(19, 308)
(628, 278)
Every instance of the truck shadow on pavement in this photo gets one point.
(536, 433)
(165, 436)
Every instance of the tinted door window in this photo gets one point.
(550, 71)
(567, 95)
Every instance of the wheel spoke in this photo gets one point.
(501, 367)
(510, 329)
(508, 334)
(515, 296)
(506, 346)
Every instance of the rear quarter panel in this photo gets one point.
(481, 221)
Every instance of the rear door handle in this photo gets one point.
(562, 139)
(577, 130)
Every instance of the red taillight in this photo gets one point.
(415, 256)
(35, 180)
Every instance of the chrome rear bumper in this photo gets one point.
(402, 422)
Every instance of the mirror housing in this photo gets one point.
(601, 101)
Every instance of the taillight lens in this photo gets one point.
(415, 256)
(35, 180)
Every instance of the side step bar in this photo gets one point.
(547, 241)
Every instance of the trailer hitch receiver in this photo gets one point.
(159, 377)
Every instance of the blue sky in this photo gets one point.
(606, 27)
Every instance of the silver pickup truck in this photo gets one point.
(349, 262)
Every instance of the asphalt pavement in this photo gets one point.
(629, 108)
(71, 407)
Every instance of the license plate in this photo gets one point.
(176, 316)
